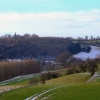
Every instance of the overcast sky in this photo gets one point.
(50, 17)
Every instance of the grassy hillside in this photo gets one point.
(27, 91)
(20, 80)
(24, 79)
(24, 92)
(76, 92)
(70, 79)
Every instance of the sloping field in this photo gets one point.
(24, 92)
(70, 79)
(52, 85)
(75, 92)
(20, 80)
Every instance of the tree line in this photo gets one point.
(32, 46)
(9, 70)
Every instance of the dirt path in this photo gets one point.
(93, 77)
(8, 88)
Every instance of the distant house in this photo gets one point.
(53, 63)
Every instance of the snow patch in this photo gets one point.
(94, 53)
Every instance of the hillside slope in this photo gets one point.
(28, 91)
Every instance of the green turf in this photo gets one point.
(75, 92)
(23, 80)
(70, 79)
(25, 92)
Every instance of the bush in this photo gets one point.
(34, 81)
(71, 71)
(42, 79)
(83, 67)
(55, 75)
(48, 76)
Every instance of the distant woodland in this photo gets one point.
(42, 49)
(33, 46)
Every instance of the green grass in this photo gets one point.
(19, 83)
(25, 92)
(75, 92)
(70, 79)
(23, 80)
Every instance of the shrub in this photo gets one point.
(71, 71)
(48, 76)
(42, 79)
(34, 81)
(55, 75)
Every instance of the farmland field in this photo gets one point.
(68, 83)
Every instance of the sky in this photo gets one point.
(60, 18)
